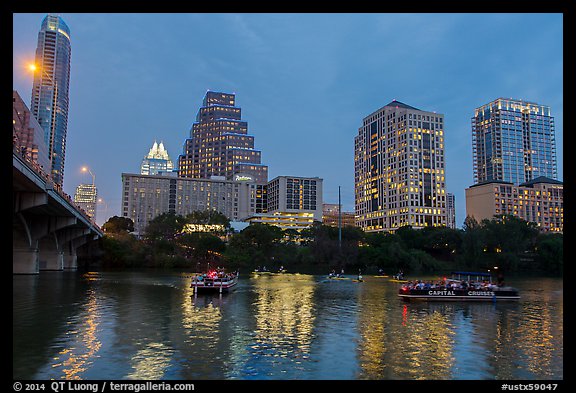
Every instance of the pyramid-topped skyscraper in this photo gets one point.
(219, 143)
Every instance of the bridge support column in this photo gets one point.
(71, 260)
(51, 260)
(25, 261)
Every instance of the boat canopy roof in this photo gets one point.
(482, 274)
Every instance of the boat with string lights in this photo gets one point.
(462, 286)
(214, 281)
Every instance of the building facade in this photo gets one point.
(540, 201)
(331, 216)
(86, 197)
(450, 210)
(50, 90)
(27, 135)
(291, 203)
(145, 197)
(513, 141)
(219, 143)
(399, 169)
(156, 161)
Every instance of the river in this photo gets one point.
(149, 325)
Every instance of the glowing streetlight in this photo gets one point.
(86, 169)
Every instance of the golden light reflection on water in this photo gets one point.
(284, 314)
(83, 343)
(372, 325)
(428, 346)
(151, 362)
(202, 319)
(541, 339)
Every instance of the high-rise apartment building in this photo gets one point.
(399, 169)
(86, 197)
(513, 141)
(156, 161)
(219, 144)
(50, 90)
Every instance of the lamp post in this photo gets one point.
(86, 169)
(102, 201)
(93, 197)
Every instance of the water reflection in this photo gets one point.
(284, 316)
(152, 326)
(81, 341)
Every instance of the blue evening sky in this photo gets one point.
(304, 83)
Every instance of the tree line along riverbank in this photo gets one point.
(513, 245)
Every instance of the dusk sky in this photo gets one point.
(304, 83)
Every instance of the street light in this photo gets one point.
(86, 169)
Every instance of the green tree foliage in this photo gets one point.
(508, 242)
(550, 253)
(164, 227)
(118, 225)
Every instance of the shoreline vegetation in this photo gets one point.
(514, 246)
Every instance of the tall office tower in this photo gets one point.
(219, 144)
(399, 169)
(86, 196)
(28, 136)
(450, 210)
(513, 141)
(156, 161)
(50, 89)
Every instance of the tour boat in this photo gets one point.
(214, 281)
(462, 286)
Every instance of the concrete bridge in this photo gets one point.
(47, 226)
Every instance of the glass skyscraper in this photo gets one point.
(219, 144)
(50, 89)
(513, 141)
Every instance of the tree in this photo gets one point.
(164, 227)
(118, 225)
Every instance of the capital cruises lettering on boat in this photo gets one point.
(447, 293)
(462, 286)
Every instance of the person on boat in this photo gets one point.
(359, 275)
(381, 271)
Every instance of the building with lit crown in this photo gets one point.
(540, 201)
(219, 143)
(50, 90)
(86, 197)
(156, 161)
(399, 169)
(513, 141)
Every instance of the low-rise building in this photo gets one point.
(540, 201)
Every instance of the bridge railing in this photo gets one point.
(26, 157)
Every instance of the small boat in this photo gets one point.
(214, 281)
(337, 277)
(379, 276)
(462, 286)
(396, 280)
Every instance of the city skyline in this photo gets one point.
(304, 81)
